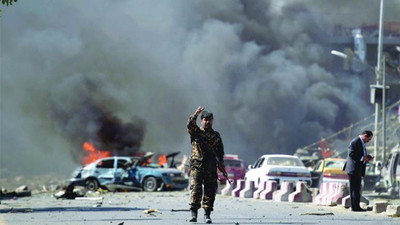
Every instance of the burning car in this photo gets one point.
(127, 173)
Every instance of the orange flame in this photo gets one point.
(93, 154)
(162, 159)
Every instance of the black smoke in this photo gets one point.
(127, 75)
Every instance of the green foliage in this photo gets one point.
(8, 2)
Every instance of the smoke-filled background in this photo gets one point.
(126, 75)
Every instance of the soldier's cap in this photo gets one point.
(206, 114)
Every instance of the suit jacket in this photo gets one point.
(353, 164)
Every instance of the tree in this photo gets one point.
(8, 2)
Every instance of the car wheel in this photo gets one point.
(91, 185)
(150, 184)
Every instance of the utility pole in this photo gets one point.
(378, 72)
(384, 109)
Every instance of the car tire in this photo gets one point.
(150, 184)
(91, 184)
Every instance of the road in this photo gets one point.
(172, 208)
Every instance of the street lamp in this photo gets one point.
(374, 94)
(378, 73)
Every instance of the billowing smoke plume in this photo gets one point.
(127, 74)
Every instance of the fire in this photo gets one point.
(93, 154)
(162, 159)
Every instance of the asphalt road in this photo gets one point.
(172, 208)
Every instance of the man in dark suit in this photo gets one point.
(355, 167)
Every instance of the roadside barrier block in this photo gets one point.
(302, 193)
(248, 190)
(340, 191)
(379, 207)
(220, 187)
(393, 210)
(323, 192)
(261, 187)
(239, 186)
(283, 194)
(346, 201)
(364, 200)
(227, 190)
(271, 187)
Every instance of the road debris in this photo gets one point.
(180, 210)
(69, 193)
(317, 214)
(151, 212)
(90, 198)
(21, 191)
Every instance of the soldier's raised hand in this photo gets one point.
(199, 110)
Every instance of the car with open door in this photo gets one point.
(119, 172)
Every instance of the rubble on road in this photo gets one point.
(70, 192)
(21, 191)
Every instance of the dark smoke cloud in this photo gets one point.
(127, 74)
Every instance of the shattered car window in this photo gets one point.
(106, 164)
(122, 163)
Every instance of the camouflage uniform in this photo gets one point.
(206, 145)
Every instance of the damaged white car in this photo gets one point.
(126, 173)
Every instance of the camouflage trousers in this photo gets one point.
(203, 178)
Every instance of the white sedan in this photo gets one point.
(279, 168)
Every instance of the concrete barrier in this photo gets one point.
(323, 192)
(239, 186)
(271, 187)
(346, 201)
(283, 193)
(379, 207)
(302, 193)
(337, 192)
(261, 187)
(393, 210)
(227, 190)
(248, 190)
(220, 187)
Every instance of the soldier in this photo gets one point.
(206, 147)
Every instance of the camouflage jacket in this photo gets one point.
(206, 145)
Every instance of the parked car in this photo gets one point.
(279, 168)
(127, 172)
(389, 179)
(235, 168)
(329, 170)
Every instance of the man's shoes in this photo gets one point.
(207, 216)
(194, 215)
(359, 210)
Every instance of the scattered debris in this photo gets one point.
(316, 214)
(90, 198)
(180, 210)
(151, 212)
(21, 191)
(97, 205)
(68, 193)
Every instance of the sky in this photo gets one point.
(126, 75)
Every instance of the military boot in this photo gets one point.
(207, 216)
(194, 215)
